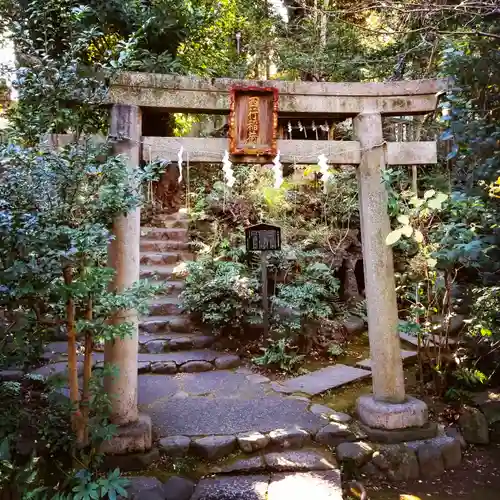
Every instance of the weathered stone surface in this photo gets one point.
(196, 366)
(321, 380)
(381, 415)
(430, 460)
(255, 378)
(178, 488)
(245, 465)
(200, 341)
(131, 438)
(474, 426)
(359, 453)
(489, 403)
(289, 437)
(330, 414)
(298, 461)
(354, 325)
(399, 436)
(298, 486)
(164, 367)
(155, 346)
(232, 488)
(131, 462)
(213, 447)
(11, 375)
(143, 367)
(181, 343)
(397, 461)
(227, 361)
(252, 441)
(175, 446)
(145, 488)
(454, 433)
(370, 470)
(333, 434)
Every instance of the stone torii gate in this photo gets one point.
(388, 408)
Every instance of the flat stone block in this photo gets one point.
(382, 415)
(430, 461)
(213, 447)
(144, 488)
(299, 486)
(246, 465)
(227, 361)
(143, 367)
(359, 453)
(163, 367)
(175, 446)
(232, 488)
(298, 461)
(178, 488)
(321, 380)
(132, 461)
(405, 356)
(252, 441)
(448, 447)
(196, 366)
(427, 431)
(328, 413)
(290, 437)
(132, 438)
(334, 434)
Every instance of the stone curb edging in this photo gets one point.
(158, 345)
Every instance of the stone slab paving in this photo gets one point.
(321, 380)
(405, 355)
(232, 488)
(299, 486)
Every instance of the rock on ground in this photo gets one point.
(232, 488)
(290, 437)
(333, 434)
(300, 486)
(359, 453)
(178, 488)
(175, 446)
(474, 426)
(326, 412)
(298, 461)
(213, 447)
(252, 441)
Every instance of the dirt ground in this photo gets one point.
(478, 478)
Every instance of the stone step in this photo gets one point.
(157, 342)
(186, 361)
(164, 258)
(172, 288)
(318, 485)
(322, 380)
(165, 305)
(163, 272)
(405, 356)
(165, 324)
(164, 233)
(163, 245)
(160, 222)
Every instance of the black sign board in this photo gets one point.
(263, 237)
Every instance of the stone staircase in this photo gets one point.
(164, 254)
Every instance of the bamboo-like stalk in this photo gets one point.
(87, 373)
(72, 358)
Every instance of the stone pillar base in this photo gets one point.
(392, 416)
(130, 438)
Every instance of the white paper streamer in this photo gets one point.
(325, 174)
(228, 171)
(278, 171)
(179, 163)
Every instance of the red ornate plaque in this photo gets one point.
(253, 121)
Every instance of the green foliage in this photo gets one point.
(310, 295)
(279, 354)
(221, 293)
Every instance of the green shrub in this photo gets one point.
(221, 294)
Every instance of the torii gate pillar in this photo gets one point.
(388, 408)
